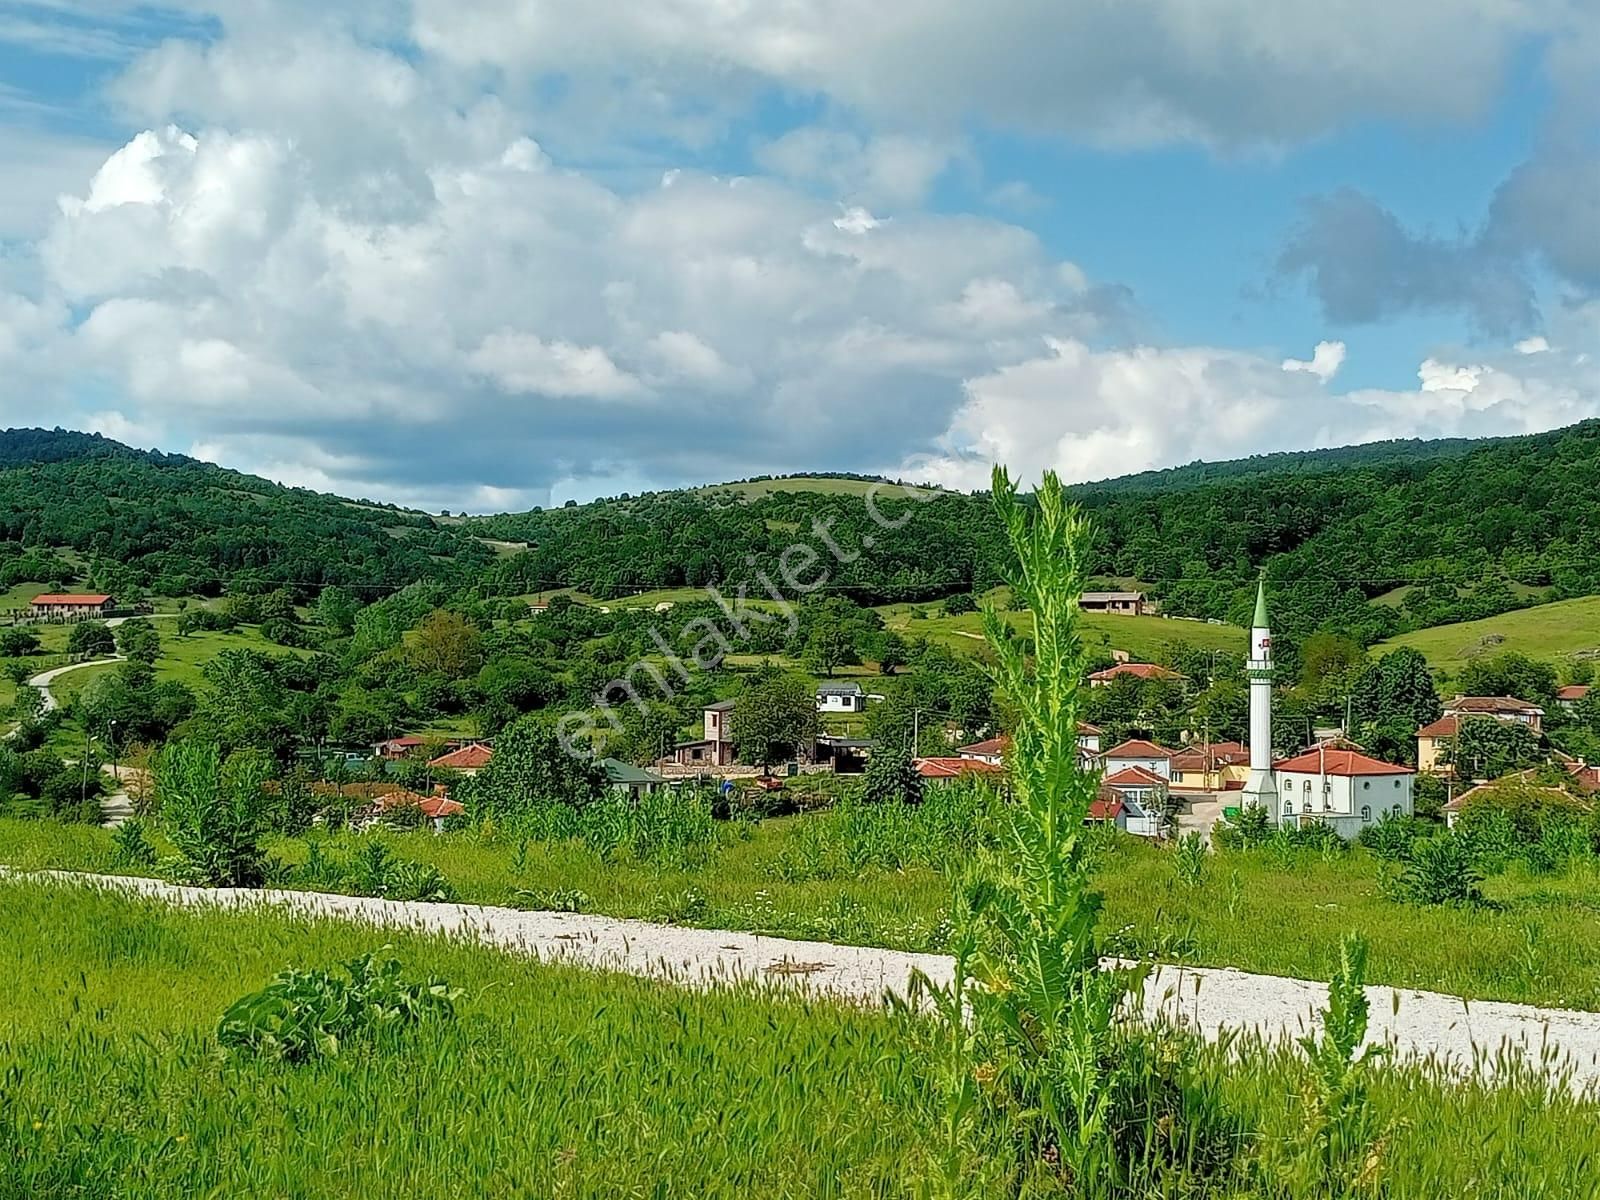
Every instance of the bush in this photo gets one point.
(131, 846)
(891, 779)
(375, 871)
(1251, 829)
(216, 817)
(303, 1015)
(1392, 837)
(1440, 870)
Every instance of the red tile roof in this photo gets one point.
(951, 768)
(1134, 777)
(1218, 754)
(70, 598)
(1572, 691)
(1138, 748)
(1338, 762)
(1138, 671)
(1443, 727)
(432, 806)
(468, 758)
(1106, 808)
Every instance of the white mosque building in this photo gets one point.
(1328, 784)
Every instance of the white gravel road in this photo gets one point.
(1416, 1024)
(43, 680)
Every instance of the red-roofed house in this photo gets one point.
(1213, 767)
(1107, 806)
(1341, 788)
(71, 606)
(1133, 671)
(1121, 809)
(1501, 708)
(468, 760)
(1139, 753)
(1433, 738)
(1569, 695)
(435, 807)
(955, 768)
(994, 749)
(400, 747)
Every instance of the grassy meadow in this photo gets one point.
(555, 1081)
(1141, 637)
(1548, 631)
(874, 877)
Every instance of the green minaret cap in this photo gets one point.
(1259, 621)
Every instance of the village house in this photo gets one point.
(946, 768)
(1341, 788)
(841, 698)
(69, 606)
(468, 760)
(715, 749)
(1436, 736)
(636, 781)
(993, 750)
(1131, 670)
(399, 747)
(434, 809)
(1122, 604)
(1111, 807)
(1137, 752)
(1501, 708)
(1211, 767)
(1569, 696)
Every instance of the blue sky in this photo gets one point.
(670, 241)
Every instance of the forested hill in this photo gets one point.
(1452, 529)
(1369, 540)
(78, 508)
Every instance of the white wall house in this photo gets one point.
(841, 698)
(1137, 753)
(1344, 789)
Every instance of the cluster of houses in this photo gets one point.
(1332, 783)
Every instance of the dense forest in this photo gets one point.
(1447, 530)
(1458, 530)
(175, 526)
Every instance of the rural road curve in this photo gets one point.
(43, 680)
(1416, 1024)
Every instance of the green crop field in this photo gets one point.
(554, 1081)
(1548, 631)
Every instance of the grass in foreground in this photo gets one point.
(555, 1081)
(874, 878)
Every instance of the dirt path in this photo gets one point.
(42, 681)
(1417, 1024)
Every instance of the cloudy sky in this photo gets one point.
(490, 253)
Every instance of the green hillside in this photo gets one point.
(1142, 637)
(823, 485)
(1548, 631)
(81, 510)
